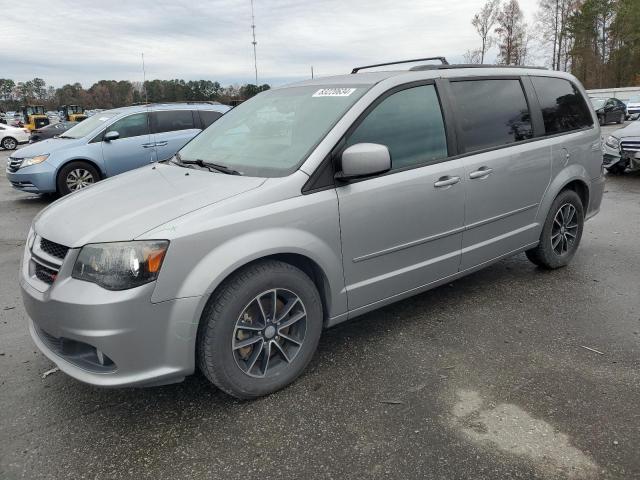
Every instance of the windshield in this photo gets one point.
(598, 102)
(89, 125)
(634, 99)
(274, 132)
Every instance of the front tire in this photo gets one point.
(9, 143)
(260, 329)
(601, 120)
(561, 233)
(621, 119)
(76, 176)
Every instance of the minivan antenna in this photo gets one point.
(253, 32)
(144, 81)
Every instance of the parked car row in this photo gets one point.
(303, 207)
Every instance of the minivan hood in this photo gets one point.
(47, 146)
(128, 205)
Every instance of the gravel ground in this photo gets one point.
(484, 378)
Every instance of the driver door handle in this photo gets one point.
(446, 181)
(148, 145)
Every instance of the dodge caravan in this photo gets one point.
(306, 206)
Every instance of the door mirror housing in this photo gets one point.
(109, 136)
(363, 160)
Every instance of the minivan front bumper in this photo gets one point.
(110, 338)
(39, 178)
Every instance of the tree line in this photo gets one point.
(596, 40)
(113, 94)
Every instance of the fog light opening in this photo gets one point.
(100, 356)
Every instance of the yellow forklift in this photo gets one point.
(72, 113)
(34, 116)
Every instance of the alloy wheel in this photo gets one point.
(565, 229)
(269, 333)
(9, 143)
(79, 178)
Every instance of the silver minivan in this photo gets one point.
(306, 206)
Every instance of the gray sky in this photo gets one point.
(65, 41)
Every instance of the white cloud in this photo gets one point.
(71, 40)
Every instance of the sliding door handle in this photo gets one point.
(446, 181)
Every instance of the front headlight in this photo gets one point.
(612, 142)
(120, 265)
(28, 161)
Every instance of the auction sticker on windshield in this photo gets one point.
(334, 92)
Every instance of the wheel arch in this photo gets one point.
(581, 188)
(301, 261)
(91, 162)
(573, 177)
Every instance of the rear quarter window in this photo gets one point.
(208, 117)
(491, 113)
(563, 107)
(171, 121)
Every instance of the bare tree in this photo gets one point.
(512, 32)
(483, 22)
(473, 56)
(553, 19)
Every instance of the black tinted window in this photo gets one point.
(409, 123)
(491, 113)
(131, 126)
(563, 108)
(208, 117)
(172, 120)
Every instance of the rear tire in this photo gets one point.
(9, 143)
(274, 310)
(76, 176)
(561, 232)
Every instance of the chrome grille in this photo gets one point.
(630, 145)
(54, 249)
(13, 164)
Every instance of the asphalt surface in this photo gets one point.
(485, 378)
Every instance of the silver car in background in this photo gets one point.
(306, 206)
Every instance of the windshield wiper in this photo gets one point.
(209, 166)
(65, 136)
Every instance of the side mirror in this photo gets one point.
(363, 160)
(109, 136)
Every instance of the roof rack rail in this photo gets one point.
(442, 59)
(188, 102)
(468, 65)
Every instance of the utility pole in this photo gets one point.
(253, 32)
(312, 71)
(144, 81)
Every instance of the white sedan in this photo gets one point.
(10, 137)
